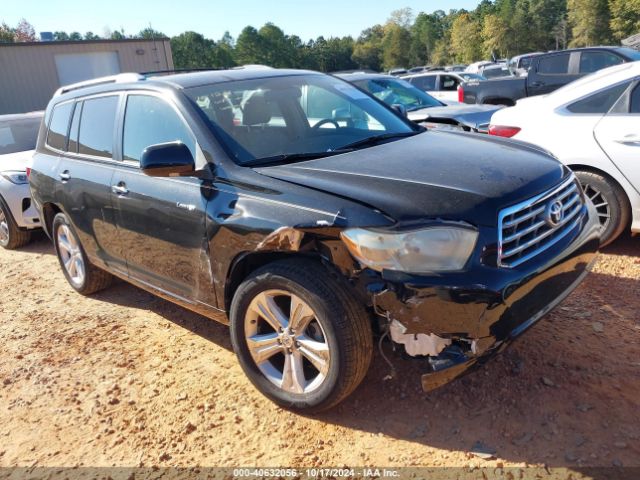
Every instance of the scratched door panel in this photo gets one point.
(161, 227)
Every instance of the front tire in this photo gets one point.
(300, 336)
(81, 274)
(11, 236)
(610, 201)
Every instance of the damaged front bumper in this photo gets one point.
(459, 320)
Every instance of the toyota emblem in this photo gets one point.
(554, 213)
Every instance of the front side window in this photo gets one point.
(593, 61)
(57, 135)
(291, 117)
(600, 102)
(150, 120)
(554, 65)
(18, 135)
(97, 123)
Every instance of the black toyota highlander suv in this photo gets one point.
(308, 216)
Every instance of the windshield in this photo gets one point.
(471, 76)
(393, 92)
(292, 116)
(18, 135)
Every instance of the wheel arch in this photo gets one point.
(583, 167)
(49, 211)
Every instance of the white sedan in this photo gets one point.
(18, 217)
(593, 126)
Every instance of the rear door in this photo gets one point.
(85, 169)
(618, 133)
(160, 220)
(552, 72)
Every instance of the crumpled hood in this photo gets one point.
(17, 162)
(435, 174)
(472, 116)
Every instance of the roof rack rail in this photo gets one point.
(119, 78)
(178, 70)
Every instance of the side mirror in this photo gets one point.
(172, 159)
(401, 109)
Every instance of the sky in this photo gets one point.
(305, 18)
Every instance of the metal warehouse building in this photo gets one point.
(31, 72)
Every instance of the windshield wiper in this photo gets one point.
(375, 139)
(291, 157)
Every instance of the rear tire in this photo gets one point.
(610, 201)
(81, 274)
(11, 236)
(330, 321)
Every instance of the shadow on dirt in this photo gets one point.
(565, 394)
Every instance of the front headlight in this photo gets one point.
(431, 249)
(19, 178)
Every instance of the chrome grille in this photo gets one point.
(531, 227)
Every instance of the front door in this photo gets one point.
(161, 221)
(619, 136)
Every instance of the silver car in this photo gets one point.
(18, 217)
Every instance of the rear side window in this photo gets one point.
(148, 121)
(424, 83)
(599, 103)
(635, 100)
(554, 65)
(57, 135)
(96, 126)
(593, 61)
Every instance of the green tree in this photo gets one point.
(249, 47)
(91, 36)
(625, 18)
(7, 34)
(396, 46)
(60, 36)
(441, 53)
(276, 50)
(495, 36)
(75, 36)
(589, 22)
(466, 39)
(150, 34)
(367, 51)
(425, 32)
(118, 35)
(192, 50)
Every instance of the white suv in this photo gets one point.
(18, 217)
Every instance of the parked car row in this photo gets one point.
(309, 213)
(546, 73)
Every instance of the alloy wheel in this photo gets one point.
(71, 255)
(600, 202)
(287, 342)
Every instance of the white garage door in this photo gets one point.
(76, 67)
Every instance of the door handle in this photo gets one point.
(538, 84)
(64, 176)
(630, 140)
(119, 189)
